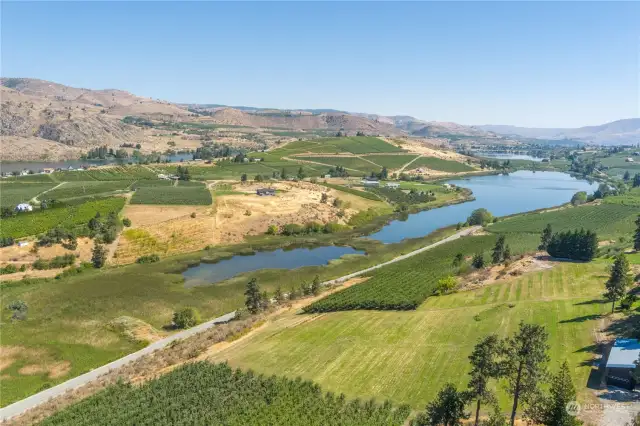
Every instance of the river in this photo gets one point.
(502, 195)
(506, 156)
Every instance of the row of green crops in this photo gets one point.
(347, 162)
(127, 173)
(86, 188)
(608, 220)
(40, 221)
(205, 393)
(14, 193)
(390, 161)
(439, 164)
(180, 195)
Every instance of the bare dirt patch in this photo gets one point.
(134, 329)
(497, 273)
(54, 370)
(19, 255)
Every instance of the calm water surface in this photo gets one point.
(500, 194)
(506, 156)
(207, 273)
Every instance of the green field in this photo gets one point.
(204, 393)
(29, 179)
(14, 193)
(390, 161)
(608, 220)
(183, 195)
(354, 145)
(350, 163)
(441, 165)
(364, 194)
(405, 285)
(408, 356)
(127, 173)
(37, 222)
(86, 188)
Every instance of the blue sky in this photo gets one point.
(532, 64)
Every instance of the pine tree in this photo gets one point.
(253, 298)
(485, 365)
(447, 409)
(478, 260)
(278, 295)
(545, 238)
(506, 255)
(636, 180)
(315, 286)
(552, 409)
(636, 237)
(626, 176)
(98, 256)
(498, 250)
(619, 280)
(301, 174)
(525, 358)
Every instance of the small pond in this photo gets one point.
(208, 273)
(502, 195)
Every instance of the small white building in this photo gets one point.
(370, 182)
(327, 176)
(24, 207)
(23, 243)
(629, 160)
(393, 185)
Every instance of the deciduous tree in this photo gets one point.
(447, 409)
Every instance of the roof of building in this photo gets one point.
(23, 206)
(624, 353)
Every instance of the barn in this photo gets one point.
(622, 362)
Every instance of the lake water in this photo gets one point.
(36, 166)
(502, 195)
(208, 273)
(506, 156)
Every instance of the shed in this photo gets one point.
(629, 160)
(265, 191)
(621, 363)
(24, 207)
(393, 185)
(370, 182)
(327, 176)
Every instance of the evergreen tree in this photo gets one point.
(545, 238)
(525, 358)
(278, 295)
(243, 178)
(98, 256)
(626, 176)
(485, 365)
(619, 280)
(636, 180)
(283, 174)
(478, 260)
(447, 409)
(252, 296)
(552, 409)
(506, 255)
(315, 285)
(498, 250)
(636, 237)
(301, 174)
(457, 260)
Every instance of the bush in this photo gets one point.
(126, 221)
(186, 317)
(579, 198)
(151, 258)
(575, 245)
(9, 269)
(333, 227)
(292, 229)
(272, 230)
(480, 217)
(445, 285)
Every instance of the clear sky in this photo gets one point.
(546, 64)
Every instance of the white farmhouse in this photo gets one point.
(24, 207)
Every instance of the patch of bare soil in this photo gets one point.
(18, 256)
(134, 329)
(497, 273)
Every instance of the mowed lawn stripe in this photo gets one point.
(408, 356)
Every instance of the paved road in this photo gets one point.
(39, 398)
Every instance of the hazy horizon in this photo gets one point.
(552, 65)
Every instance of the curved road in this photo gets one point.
(34, 400)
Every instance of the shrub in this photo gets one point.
(151, 258)
(292, 229)
(480, 217)
(579, 198)
(272, 230)
(445, 285)
(575, 245)
(126, 221)
(186, 317)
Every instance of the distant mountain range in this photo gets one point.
(41, 119)
(620, 132)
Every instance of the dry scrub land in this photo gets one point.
(167, 230)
